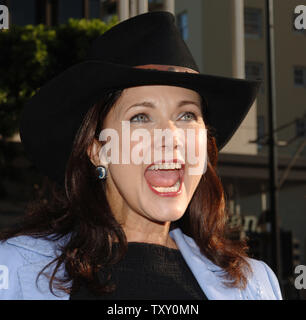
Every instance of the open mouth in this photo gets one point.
(165, 178)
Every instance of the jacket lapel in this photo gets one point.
(207, 274)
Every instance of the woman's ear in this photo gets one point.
(93, 153)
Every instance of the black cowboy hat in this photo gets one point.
(52, 117)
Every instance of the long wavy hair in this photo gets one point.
(79, 213)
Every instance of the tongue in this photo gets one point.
(162, 178)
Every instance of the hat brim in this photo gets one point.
(51, 118)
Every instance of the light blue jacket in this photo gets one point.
(21, 258)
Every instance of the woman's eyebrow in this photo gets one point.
(152, 105)
(184, 102)
(143, 104)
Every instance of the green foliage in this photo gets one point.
(32, 55)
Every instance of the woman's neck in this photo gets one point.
(140, 229)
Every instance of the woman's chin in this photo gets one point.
(165, 208)
(162, 214)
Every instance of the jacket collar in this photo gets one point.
(185, 242)
(48, 248)
(39, 252)
(208, 275)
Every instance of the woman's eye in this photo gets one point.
(188, 116)
(141, 117)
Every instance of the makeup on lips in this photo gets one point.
(165, 178)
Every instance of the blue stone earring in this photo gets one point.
(102, 172)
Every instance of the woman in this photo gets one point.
(119, 224)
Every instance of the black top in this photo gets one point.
(149, 272)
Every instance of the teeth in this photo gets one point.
(175, 188)
(165, 166)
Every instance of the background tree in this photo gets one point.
(32, 55)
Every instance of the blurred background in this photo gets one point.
(263, 167)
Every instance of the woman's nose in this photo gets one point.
(169, 135)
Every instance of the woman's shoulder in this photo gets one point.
(21, 259)
(29, 248)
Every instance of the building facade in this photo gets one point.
(243, 165)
